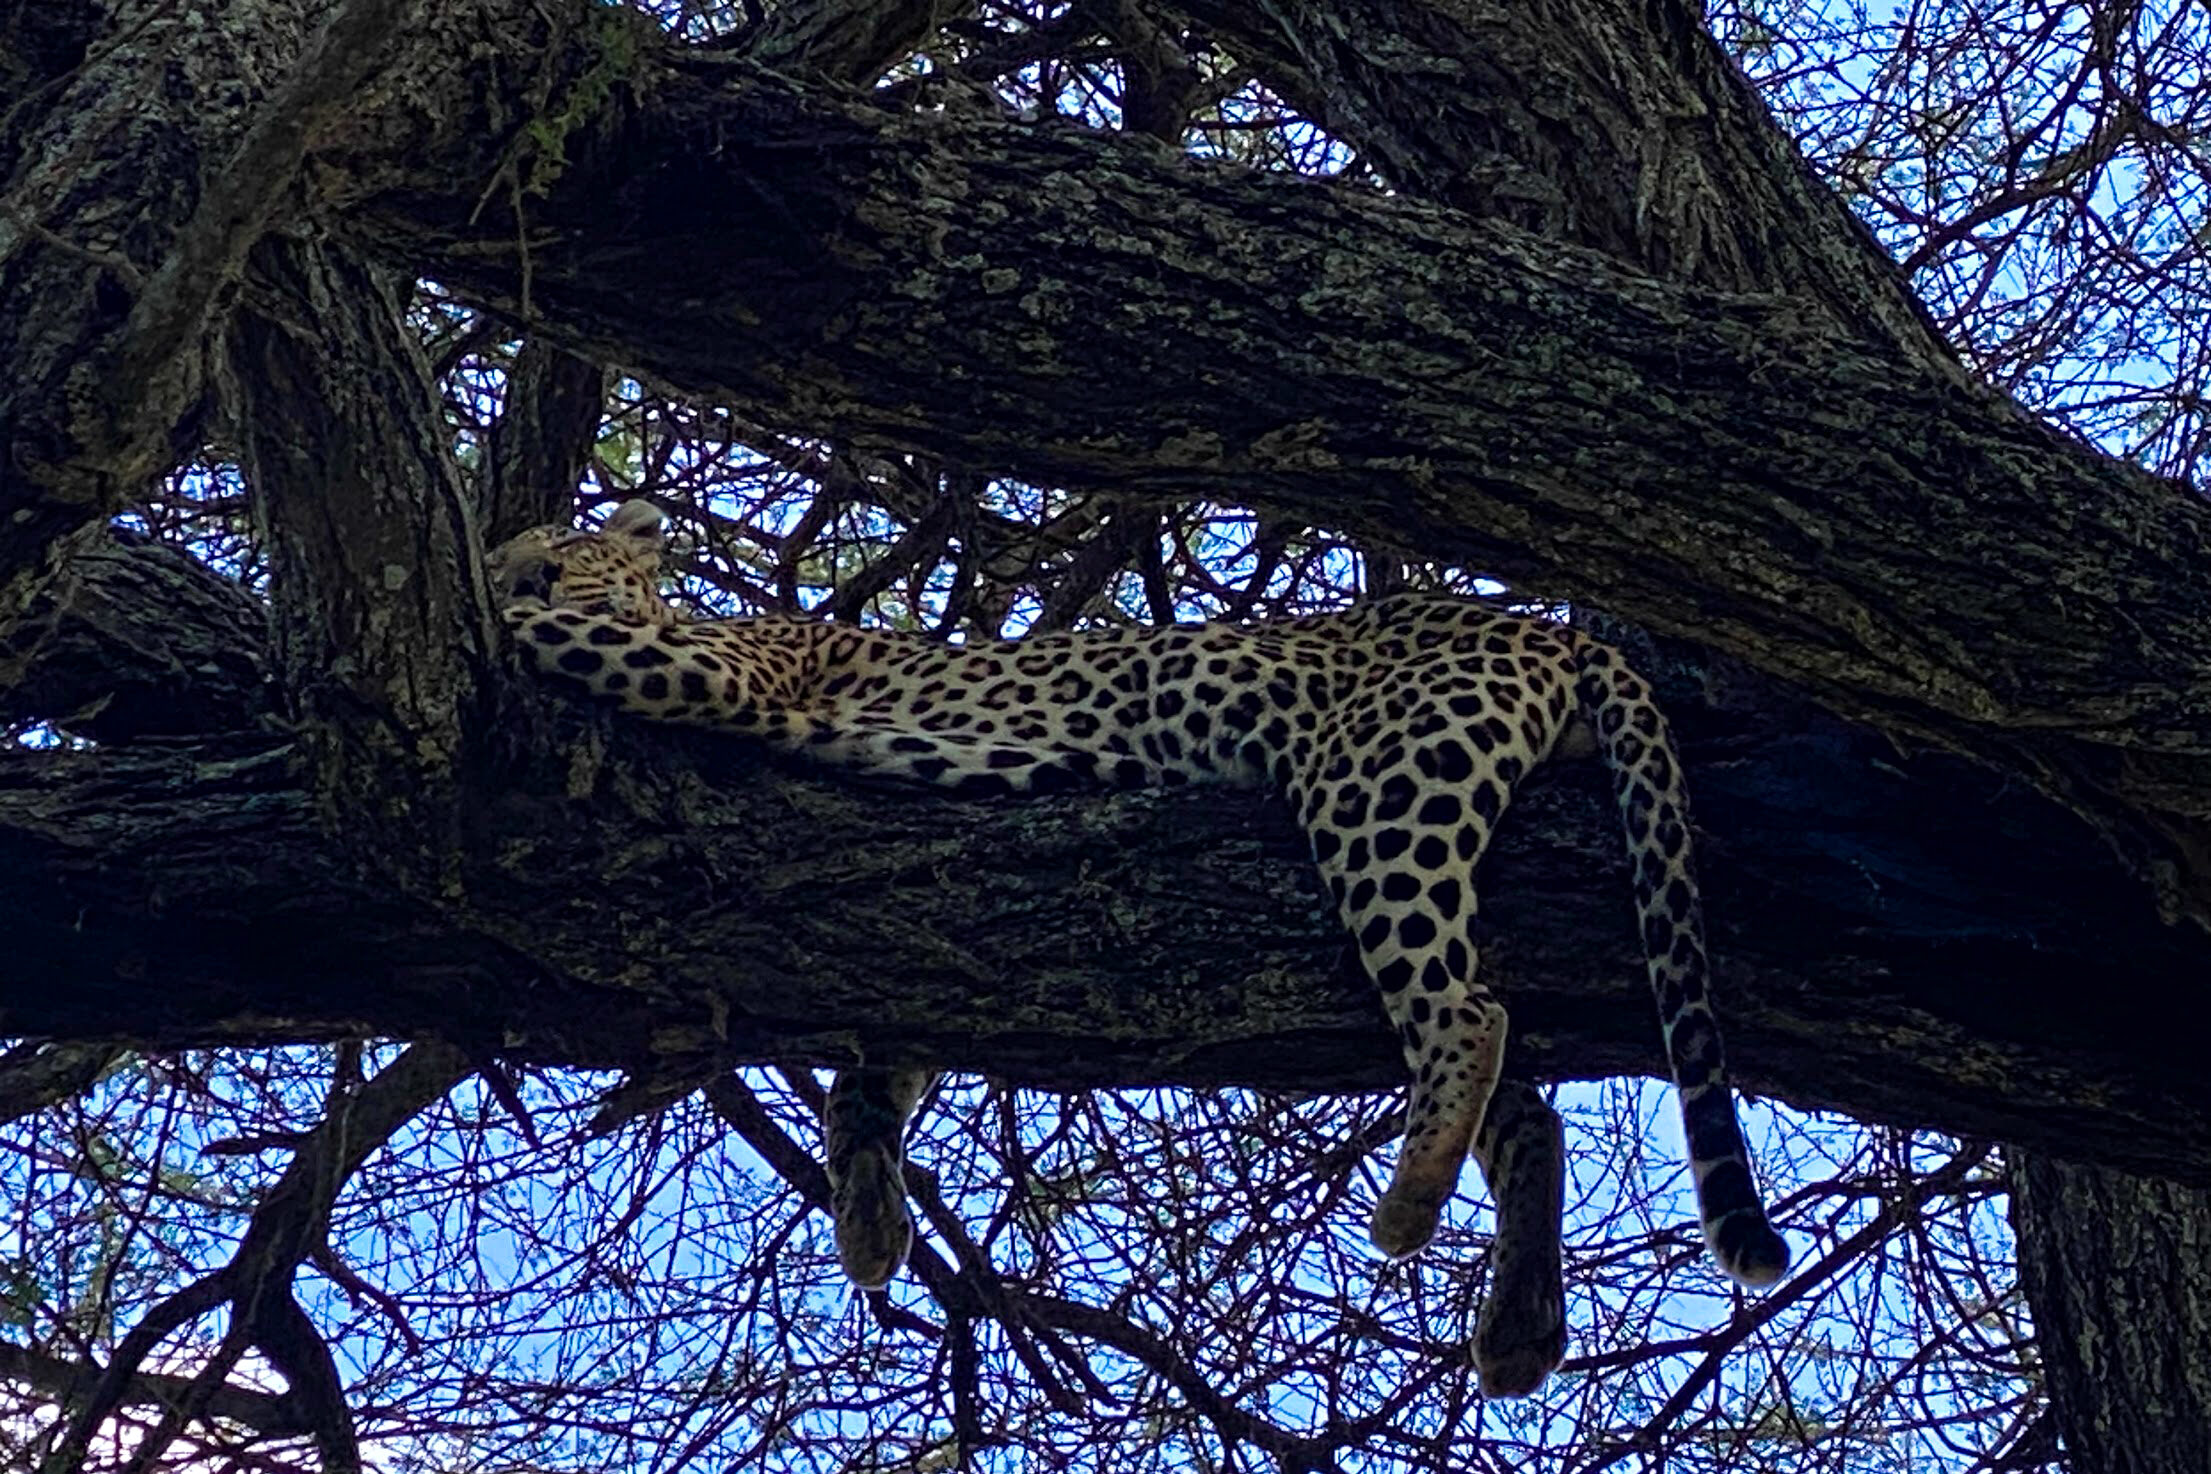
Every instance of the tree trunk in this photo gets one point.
(2118, 1271)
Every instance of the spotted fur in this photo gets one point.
(1397, 731)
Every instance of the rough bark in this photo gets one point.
(1897, 937)
(2118, 1272)
(1622, 128)
(543, 440)
(852, 41)
(382, 625)
(136, 640)
(168, 139)
(1914, 550)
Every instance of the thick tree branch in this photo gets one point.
(136, 640)
(1898, 937)
(112, 284)
(34, 1076)
(542, 442)
(1915, 550)
(853, 41)
(382, 625)
(290, 1222)
(1618, 126)
(154, 363)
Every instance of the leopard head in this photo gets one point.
(614, 569)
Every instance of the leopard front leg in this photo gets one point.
(864, 1153)
(1520, 1336)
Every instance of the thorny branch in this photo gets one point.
(286, 1228)
(970, 1291)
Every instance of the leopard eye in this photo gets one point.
(538, 583)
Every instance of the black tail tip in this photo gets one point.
(1748, 1249)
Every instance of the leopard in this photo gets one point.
(1397, 730)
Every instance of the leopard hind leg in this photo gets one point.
(1520, 1335)
(1399, 860)
(864, 1141)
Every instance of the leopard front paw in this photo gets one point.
(874, 1230)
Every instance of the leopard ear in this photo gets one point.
(640, 524)
(520, 567)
